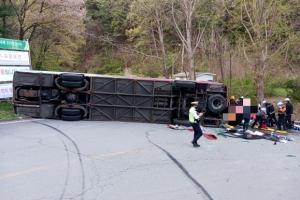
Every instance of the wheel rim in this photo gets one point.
(217, 104)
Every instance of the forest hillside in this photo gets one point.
(252, 46)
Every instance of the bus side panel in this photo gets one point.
(135, 100)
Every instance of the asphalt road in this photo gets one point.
(52, 159)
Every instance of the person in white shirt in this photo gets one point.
(194, 120)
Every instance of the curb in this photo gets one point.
(15, 119)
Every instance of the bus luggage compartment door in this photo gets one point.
(36, 111)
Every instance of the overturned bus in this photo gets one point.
(74, 96)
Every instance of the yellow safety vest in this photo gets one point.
(191, 116)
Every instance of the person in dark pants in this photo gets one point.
(246, 123)
(194, 120)
(281, 116)
(271, 113)
(259, 117)
(289, 113)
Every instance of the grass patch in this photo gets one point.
(280, 92)
(7, 111)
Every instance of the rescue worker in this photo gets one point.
(265, 119)
(194, 120)
(232, 101)
(281, 116)
(240, 101)
(289, 113)
(259, 117)
(271, 113)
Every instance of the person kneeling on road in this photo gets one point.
(194, 120)
(270, 113)
(259, 117)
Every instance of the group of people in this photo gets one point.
(268, 117)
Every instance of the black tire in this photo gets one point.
(182, 122)
(72, 84)
(71, 118)
(72, 77)
(71, 111)
(216, 103)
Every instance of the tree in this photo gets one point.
(106, 21)
(262, 27)
(54, 28)
(190, 19)
(147, 19)
(6, 12)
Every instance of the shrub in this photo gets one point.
(274, 87)
(109, 66)
(151, 72)
(242, 87)
(292, 86)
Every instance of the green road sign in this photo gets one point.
(14, 44)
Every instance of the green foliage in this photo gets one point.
(135, 70)
(271, 85)
(274, 87)
(151, 72)
(55, 54)
(292, 86)
(6, 12)
(280, 92)
(100, 10)
(243, 86)
(48, 61)
(110, 14)
(7, 111)
(109, 66)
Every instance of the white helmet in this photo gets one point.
(264, 102)
(287, 99)
(279, 104)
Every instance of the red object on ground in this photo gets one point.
(207, 135)
(170, 126)
(210, 136)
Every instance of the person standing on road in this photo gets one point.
(289, 113)
(281, 116)
(194, 120)
(271, 113)
(246, 123)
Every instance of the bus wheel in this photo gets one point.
(216, 103)
(71, 118)
(72, 84)
(72, 77)
(71, 111)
